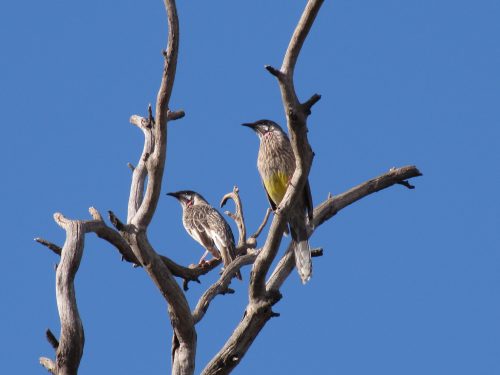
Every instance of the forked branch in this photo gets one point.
(142, 209)
(296, 114)
(246, 254)
(222, 284)
(237, 216)
(331, 206)
(130, 237)
(69, 347)
(257, 314)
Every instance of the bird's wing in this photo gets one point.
(213, 224)
(220, 232)
(308, 201)
(224, 239)
(276, 186)
(272, 204)
(196, 227)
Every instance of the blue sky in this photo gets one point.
(410, 280)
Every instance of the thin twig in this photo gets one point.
(175, 115)
(116, 222)
(237, 216)
(317, 252)
(332, 205)
(296, 114)
(56, 249)
(406, 184)
(51, 338)
(263, 224)
(49, 364)
(221, 285)
(69, 348)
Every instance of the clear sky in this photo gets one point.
(410, 279)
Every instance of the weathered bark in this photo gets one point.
(69, 348)
(258, 313)
(142, 207)
(131, 240)
(296, 115)
(331, 206)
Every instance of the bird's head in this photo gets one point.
(188, 198)
(265, 128)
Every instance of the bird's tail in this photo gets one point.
(303, 260)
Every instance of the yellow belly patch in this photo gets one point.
(276, 187)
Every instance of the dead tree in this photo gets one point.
(130, 237)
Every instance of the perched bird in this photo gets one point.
(276, 165)
(206, 225)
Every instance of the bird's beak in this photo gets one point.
(252, 126)
(174, 194)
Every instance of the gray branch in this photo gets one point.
(155, 162)
(258, 313)
(263, 224)
(131, 239)
(142, 208)
(245, 255)
(237, 216)
(331, 206)
(296, 115)
(140, 171)
(114, 238)
(222, 284)
(69, 348)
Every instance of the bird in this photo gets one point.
(276, 165)
(207, 227)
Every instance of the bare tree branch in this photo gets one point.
(114, 238)
(141, 208)
(306, 107)
(257, 314)
(263, 224)
(175, 115)
(187, 273)
(131, 239)
(156, 164)
(51, 338)
(299, 36)
(221, 285)
(330, 207)
(70, 347)
(49, 364)
(56, 249)
(245, 251)
(140, 171)
(296, 114)
(322, 213)
(259, 309)
(238, 214)
(178, 308)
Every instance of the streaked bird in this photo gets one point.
(207, 226)
(276, 165)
